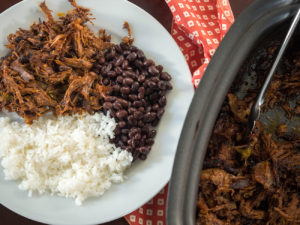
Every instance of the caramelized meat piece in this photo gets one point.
(239, 108)
(263, 175)
(255, 178)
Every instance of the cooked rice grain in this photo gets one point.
(69, 156)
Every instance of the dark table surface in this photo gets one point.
(158, 9)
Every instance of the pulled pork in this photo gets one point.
(49, 68)
(257, 182)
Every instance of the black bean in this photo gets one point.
(148, 108)
(155, 79)
(131, 110)
(145, 73)
(105, 81)
(138, 115)
(162, 85)
(160, 113)
(128, 81)
(141, 109)
(144, 103)
(137, 136)
(138, 64)
(121, 144)
(110, 98)
(131, 57)
(160, 68)
(140, 54)
(145, 129)
(123, 102)
(108, 68)
(141, 123)
(148, 91)
(131, 134)
(129, 148)
(152, 133)
(130, 120)
(129, 73)
(169, 86)
(130, 142)
(126, 52)
(116, 88)
(103, 70)
(108, 56)
(150, 141)
(137, 104)
(125, 131)
(119, 60)
(125, 65)
(124, 138)
(111, 74)
(113, 52)
(124, 46)
(122, 114)
(162, 93)
(152, 70)
(153, 96)
(117, 105)
(135, 86)
(120, 79)
(117, 130)
(133, 97)
(155, 122)
(148, 62)
(141, 93)
(141, 78)
(136, 129)
(155, 107)
(148, 117)
(162, 101)
(165, 76)
(133, 48)
(112, 112)
(107, 105)
(145, 149)
(122, 124)
(125, 90)
(151, 84)
(118, 70)
(118, 48)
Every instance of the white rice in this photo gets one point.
(69, 156)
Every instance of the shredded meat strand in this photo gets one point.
(50, 67)
(255, 179)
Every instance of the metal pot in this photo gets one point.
(252, 27)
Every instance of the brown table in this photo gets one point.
(160, 10)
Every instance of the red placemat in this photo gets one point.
(198, 28)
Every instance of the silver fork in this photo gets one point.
(256, 108)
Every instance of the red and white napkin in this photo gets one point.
(198, 28)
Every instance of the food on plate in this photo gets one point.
(49, 67)
(70, 156)
(61, 66)
(89, 106)
(138, 96)
(255, 179)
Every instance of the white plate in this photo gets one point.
(145, 179)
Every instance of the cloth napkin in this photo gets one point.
(198, 28)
